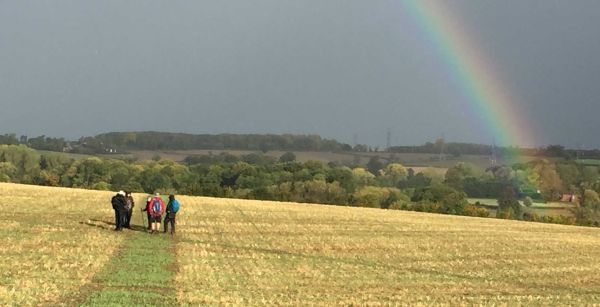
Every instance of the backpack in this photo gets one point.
(115, 202)
(156, 207)
(174, 206)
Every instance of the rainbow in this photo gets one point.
(485, 96)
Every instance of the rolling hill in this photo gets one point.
(58, 248)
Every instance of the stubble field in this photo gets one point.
(58, 248)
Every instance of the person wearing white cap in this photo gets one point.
(119, 203)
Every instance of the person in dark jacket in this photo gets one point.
(129, 204)
(119, 203)
(170, 216)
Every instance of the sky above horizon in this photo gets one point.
(343, 69)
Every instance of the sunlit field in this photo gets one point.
(52, 242)
(251, 252)
(58, 248)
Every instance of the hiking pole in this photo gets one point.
(143, 219)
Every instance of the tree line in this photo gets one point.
(121, 142)
(380, 185)
(41, 142)
(458, 149)
(184, 141)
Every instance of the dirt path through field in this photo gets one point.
(141, 274)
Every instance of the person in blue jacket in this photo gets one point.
(172, 209)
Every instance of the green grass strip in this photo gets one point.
(140, 275)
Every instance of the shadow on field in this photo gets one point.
(110, 225)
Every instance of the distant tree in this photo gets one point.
(182, 141)
(556, 151)
(547, 179)
(590, 175)
(588, 211)
(508, 204)
(55, 161)
(591, 200)
(257, 159)
(265, 147)
(482, 187)
(374, 165)
(179, 175)
(433, 175)
(47, 143)
(87, 172)
(119, 174)
(316, 191)
(336, 194)
(153, 180)
(287, 157)
(456, 175)
(362, 177)
(503, 174)
(417, 181)
(343, 176)
(103, 186)
(315, 168)
(528, 201)
(395, 200)
(375, 197)
(569, 175)
(9, 139)
(454, 151)
(393, 174)
(48, 178)
(454, 203)
(436, 192)
(8, 172)
(25, 159)
(360, 148)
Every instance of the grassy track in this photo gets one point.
(142, 275)
(59, 249)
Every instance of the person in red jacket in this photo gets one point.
(156, 208)
(149, 217)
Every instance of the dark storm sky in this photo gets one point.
(332, 67)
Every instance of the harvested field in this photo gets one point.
(59, 249)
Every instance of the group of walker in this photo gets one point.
(155, 208)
